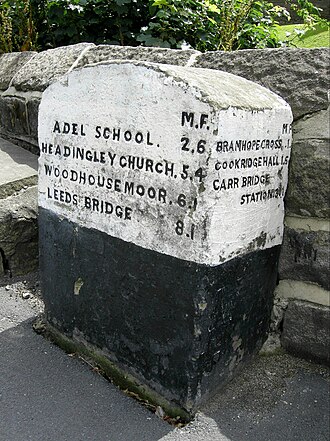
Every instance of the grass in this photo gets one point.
(318, 37)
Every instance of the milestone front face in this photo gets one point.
(167, 158)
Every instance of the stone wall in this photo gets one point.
(301, 77)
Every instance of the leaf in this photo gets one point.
(160, 3)
(149, 40)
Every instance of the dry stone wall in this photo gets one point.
(300, 76)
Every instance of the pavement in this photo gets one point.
(48, 395)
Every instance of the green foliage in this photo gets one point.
(220, 24)
(307, 11)
(212, 25)
(6, 30)
(96, 21)
(201, 24)
(64, 22)
(17, 29)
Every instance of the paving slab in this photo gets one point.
(19, 168)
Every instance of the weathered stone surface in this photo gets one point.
(2, 265)
(18, 209)
(273, 342)
(46, 67)
(308, 191)
(300, 76)
(32, 106)
(19, 231)
(13, 116)
(307, 223)
(312, 126)
(306, 330)
(296, 289)
(10, 64)
(306, 256)
(19, 118)
(100, 53)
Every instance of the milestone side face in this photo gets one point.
(154, 160)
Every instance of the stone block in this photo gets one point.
(306, 331)
(288, 289)
(312, 126)
(46, 67)
(101, 53)
(305, 256)
(10, 64)
(18, 209)
(32, 106)
(19, 231)
(300, 76)
(13, 116)
(2, 265)
(308, 192)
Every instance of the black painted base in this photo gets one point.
(181, 328)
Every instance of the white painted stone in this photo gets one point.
(206, 198)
